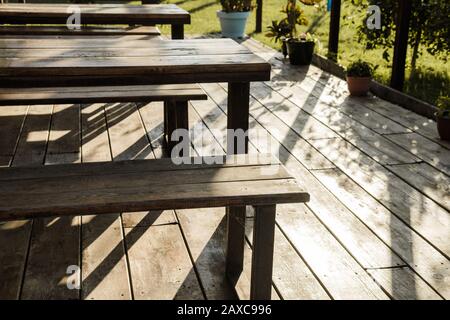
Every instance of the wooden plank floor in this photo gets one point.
(377, 225)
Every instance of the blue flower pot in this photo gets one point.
(233, 23)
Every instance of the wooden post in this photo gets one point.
(333, 39)
(177, 31)
(401, 44)
(259, 9)
(238, 116)
(262, 257)
(235, 242)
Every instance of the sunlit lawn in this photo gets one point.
(428, 84)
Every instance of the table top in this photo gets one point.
(124, 61)
(94, 13)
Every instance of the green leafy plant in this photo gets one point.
(236, 5)
(360, 69)
(279, 30)
(443, 104)
(428, 27)
(287, 28)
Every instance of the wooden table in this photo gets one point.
(98, 14)
(71, 62)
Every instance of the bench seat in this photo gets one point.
(91, 188)
(142, 185)
(84, 31)
(101, 94)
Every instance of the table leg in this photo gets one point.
(182, 119)
(235, 242)
(238, 117)
(177, 31)
(262, 258)
(170, 123)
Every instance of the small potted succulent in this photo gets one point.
(443, 117)
(299, 46)
(233, 17)
(359, 75)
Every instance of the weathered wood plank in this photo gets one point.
(205, 234)
(128, 140)
(85, 30)
(14, 241)
(297, 119)
(430, 264)
(109, 94)
(336, 269)
(403, 284)
(94, 134)
(412, 207)
(104, 267)
(159, 264)
(411, 120)
(11, 121)
(34, 137)
(64, 137)
(95, 13)
(50, 255)
(426, 179)
(425, 149)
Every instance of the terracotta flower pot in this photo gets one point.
(358, 86)
(443, 126)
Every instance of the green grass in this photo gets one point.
(428, 83)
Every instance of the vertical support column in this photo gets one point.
(259, 9)
(238, 116)
(182, 119)
(262, 258)
(170, 122)
(177, 31)
(401, 44)
(235, 242)
(333, 40)
(175, 117)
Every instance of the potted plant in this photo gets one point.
(279, 31)
(443, 117)
(299, 47)
(359, 75)
(233, 17)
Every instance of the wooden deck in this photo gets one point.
(377, 226)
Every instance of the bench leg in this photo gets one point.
(175, 117)
(238, 114)
(182, 118)
(235, 242)
(170, 123)
(177, 31)
(262, 258)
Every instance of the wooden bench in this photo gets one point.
(98, 31)
(98, 14)
(141, 185)
(175, 98)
